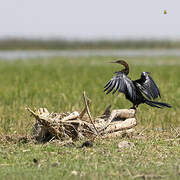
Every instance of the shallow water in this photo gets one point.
(27, 54)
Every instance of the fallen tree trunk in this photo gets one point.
(120, 126)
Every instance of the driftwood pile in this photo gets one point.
(79, 125)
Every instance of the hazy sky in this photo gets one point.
(89, 19)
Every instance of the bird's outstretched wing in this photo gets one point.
(123, 84)
(147, 86)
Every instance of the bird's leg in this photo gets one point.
(134, 107)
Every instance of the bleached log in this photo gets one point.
(125, 113)
(121, 125)
(121, 114)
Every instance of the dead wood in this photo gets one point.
(88, 112)
(77, 125)
(119, 126)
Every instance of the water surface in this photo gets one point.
(27, 54)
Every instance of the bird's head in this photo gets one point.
(121, 62)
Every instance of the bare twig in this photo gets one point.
(85, 109)
(88, 112)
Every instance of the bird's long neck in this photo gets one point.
(126, 69)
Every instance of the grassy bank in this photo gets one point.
(57, 84)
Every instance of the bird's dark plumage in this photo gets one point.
(134, 90)
(147, 86)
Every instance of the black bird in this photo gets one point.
(139, 91)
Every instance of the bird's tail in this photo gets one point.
(157, 104)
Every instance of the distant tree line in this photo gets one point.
(62, 44)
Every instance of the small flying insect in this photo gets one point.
(165, 12)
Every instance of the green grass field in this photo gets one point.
(57, 84)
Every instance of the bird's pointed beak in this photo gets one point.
(112, 62)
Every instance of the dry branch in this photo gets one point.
(88, 112)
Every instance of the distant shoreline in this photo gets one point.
(62, 44)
